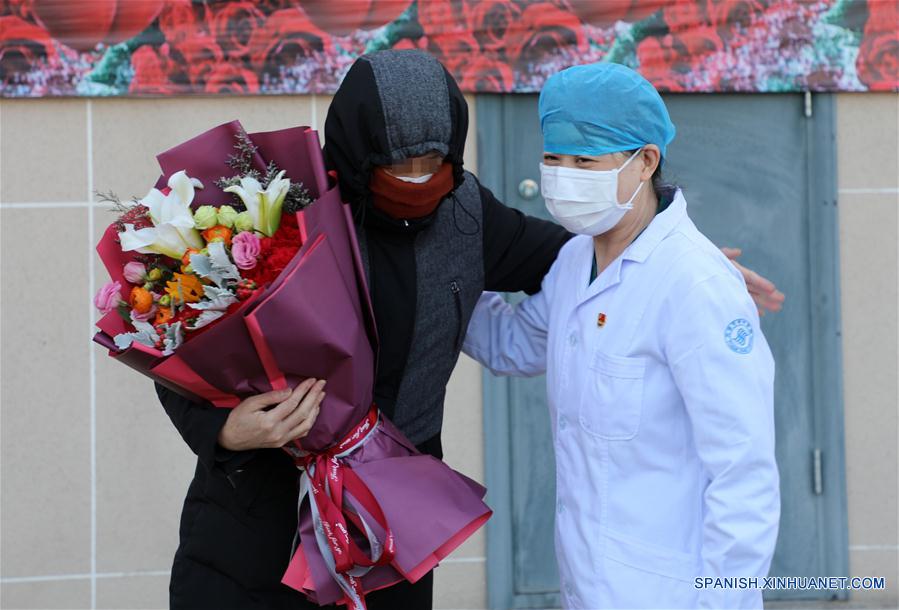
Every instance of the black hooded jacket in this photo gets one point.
(518, 249)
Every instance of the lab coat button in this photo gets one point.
(572, 339)
(562, 422)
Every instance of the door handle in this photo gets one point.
(528, 188)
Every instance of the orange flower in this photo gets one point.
(184, 289)
(141, 300)
(163, 315)
(217, 233)
(185, 260)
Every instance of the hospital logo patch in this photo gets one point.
(738, 336)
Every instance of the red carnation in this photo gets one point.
(234, 24)
(285, 37)
(231, 78)
(22, 46)
(878, 55)
(277, 261)
(275, 252)
(490, 21)
(544, 28)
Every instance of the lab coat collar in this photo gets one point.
(660, 227)
(657, 230)
(611, 276)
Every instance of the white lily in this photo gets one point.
(248, 191)
(264, 205)
(174, 230)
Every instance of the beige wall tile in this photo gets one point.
(45, 394)
(320, 113)
(876, 563)
(868, 259)
(463, 436)
(63, 594)
(460, 586)
(143, 592)
(143, 471)
(129, 133)
(868, 140)
(143, 465)
(43, 150)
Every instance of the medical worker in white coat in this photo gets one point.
(659, 379)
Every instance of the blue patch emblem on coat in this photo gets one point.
(738, 336)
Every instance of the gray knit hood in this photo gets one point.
(390, 106)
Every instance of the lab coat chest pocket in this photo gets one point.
(613, 397)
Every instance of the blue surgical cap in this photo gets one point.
(602, 108)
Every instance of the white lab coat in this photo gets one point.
(662, 418)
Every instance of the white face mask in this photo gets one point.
(585, 201)
(417, 180)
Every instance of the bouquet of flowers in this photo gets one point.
(198, 266)
(231, 278)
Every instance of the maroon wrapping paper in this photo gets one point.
(314, 320)
(237, 369)
(430, 507)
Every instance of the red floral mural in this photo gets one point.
(183, 47)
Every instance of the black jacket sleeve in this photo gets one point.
(199, 425)
(518, 249)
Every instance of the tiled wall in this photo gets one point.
(868, 180)
(92, 473)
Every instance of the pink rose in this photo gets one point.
(245, 248)
(109, 297)
(135, 272)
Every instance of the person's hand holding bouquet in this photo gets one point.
(274, 419)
